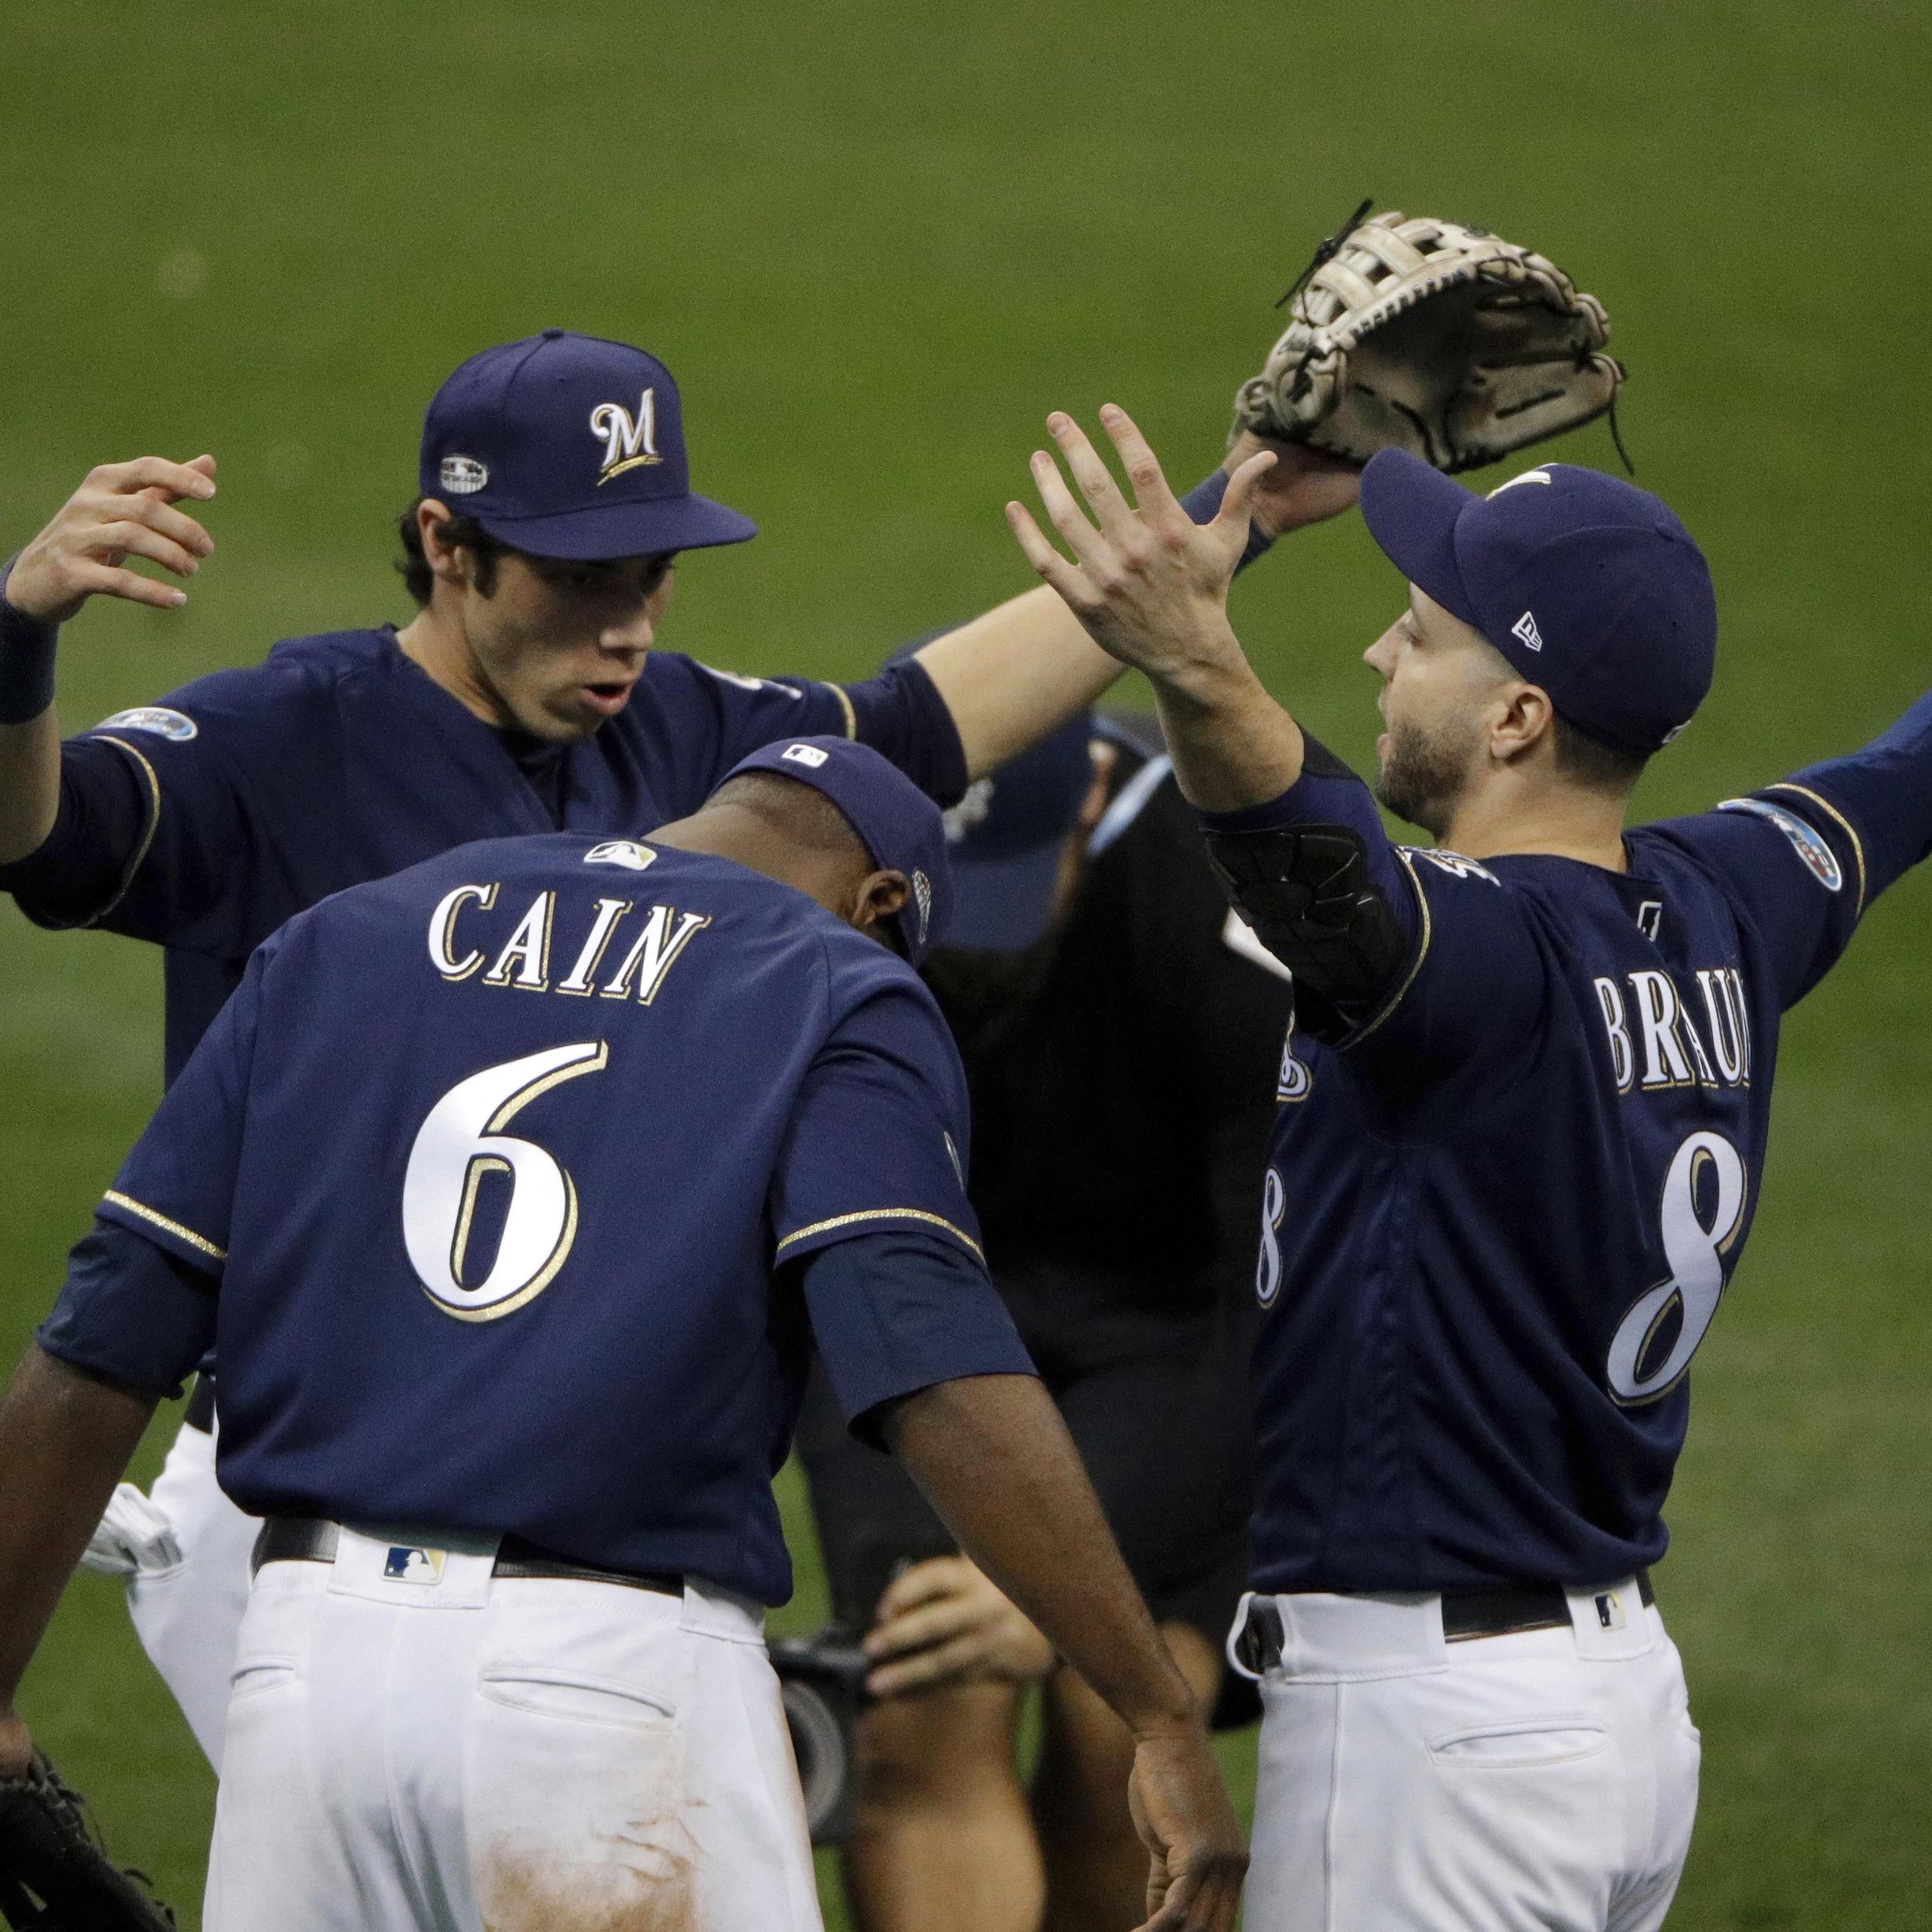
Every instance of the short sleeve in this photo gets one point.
(712, 719)
(105, 820)
(188, 884)
(156, 839)
(176, 1188)
(131, 1312)
(901, 714)
(878, 1135)
(899, 1309)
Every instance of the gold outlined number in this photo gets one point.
(461, 1140)
(1706, 1163)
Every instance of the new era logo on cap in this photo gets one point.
(1525, 627)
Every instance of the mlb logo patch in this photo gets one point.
(1610, 1611)
(809, 756)
(620, 851)
(411, 1563)
(462, 475)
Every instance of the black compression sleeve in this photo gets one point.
(27, 649)
(900, 713)
(78, 868)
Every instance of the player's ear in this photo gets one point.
(880, 895)
(447, 560)
(1527, 722)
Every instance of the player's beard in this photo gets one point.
(1425, 773)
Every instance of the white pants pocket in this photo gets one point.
(1510, 1747)
(554, 1693)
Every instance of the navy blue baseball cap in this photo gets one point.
(568, 446)
(896, 822)
(1589, 586)
(1006, 837)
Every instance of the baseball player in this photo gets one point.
(1522, 1122)
(1118, 1051)
(525, 696)
(509, 1187)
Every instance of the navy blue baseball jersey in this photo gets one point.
(486, 1182)
(1504, 1199)
(204, 822)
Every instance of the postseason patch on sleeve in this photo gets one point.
(155, 718)
(1807, 842)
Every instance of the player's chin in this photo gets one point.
(578, 712)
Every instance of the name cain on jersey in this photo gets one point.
(643, 952)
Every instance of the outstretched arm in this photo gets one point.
(1011, 676)
(1148, 586)
(121, 510)
(995, 1461)
(65, 1438)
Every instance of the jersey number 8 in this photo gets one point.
(1695, 1251)
(460, 1142)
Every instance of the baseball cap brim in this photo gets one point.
(1411, 511)
(634, 528)
(1003, 905)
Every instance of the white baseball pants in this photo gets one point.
(461, 1752)
(1544, 1781)
(188, 1614)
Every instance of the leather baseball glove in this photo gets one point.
(55, 1875)
(1427, 336)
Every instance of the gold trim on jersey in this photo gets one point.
(845, 705)
(160, 1220)
(1850, 830)
(885, 1214)
(1422, 953)
(147, 834)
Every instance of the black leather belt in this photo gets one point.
(1466, 1614)
(313, 1539)
(1503, 1613)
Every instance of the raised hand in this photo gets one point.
(1305, 486)
(1147, 583)
(120, 510)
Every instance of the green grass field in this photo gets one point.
(877, 242)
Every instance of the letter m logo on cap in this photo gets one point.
(1525, 627)
(629, 440)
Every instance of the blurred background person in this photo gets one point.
(1121, 1034)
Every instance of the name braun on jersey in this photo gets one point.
(1666, 1036)
(522, 959)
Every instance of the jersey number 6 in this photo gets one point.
(1706, 1163)
(460, 1142)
